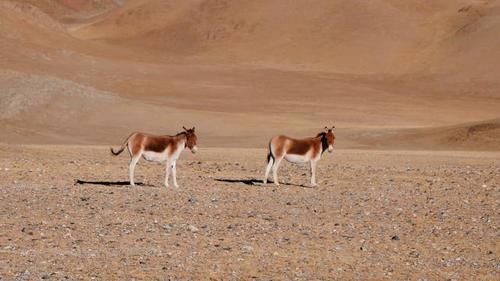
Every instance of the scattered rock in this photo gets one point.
(414, 254)
(247, 248)
(193, 228)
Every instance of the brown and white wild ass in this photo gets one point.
(158, 149)
(298, 150)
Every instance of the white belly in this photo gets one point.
(154, 156)
(294, 158)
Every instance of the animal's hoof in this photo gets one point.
(314, 185)
(176, 186)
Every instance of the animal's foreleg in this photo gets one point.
(174, 173)
(131, 168)
(167, 173)
(313, 173)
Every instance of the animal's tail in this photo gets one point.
(117, 152)
(122, 148)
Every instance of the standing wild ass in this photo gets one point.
(158, 149)
(298, 150)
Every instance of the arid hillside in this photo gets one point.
(74, 11)
(92, 71)
(366, 37)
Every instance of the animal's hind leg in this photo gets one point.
(275, 169)
(268, 169)
(131, 167)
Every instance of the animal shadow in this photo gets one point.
(245, 181)
(109, 183)
(255, 182)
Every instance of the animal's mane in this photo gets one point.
(322, 134)
(185, 133)
(324, 142)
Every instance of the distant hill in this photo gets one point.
(346, 36)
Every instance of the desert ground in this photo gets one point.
(69, 213)
(410, 192)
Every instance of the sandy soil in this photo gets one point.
(376, 215)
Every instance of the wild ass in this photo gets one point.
(298, 150)
(158, 149)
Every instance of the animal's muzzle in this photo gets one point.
(330, 148)
(194, 149)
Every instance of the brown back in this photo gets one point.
(300, 147)
(159, 143)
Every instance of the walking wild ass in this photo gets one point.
(158, 149)
(298, 150)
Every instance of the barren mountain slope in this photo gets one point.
(74, 11)
(471, 136)
(379, 36)
(237, 67)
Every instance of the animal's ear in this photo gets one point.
(193, 129)
(326, 128)
(184, 128)
(333, 128)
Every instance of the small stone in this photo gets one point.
(167, 227)
(414, 254)
(193, 228)
(395, 238)
(247, 248)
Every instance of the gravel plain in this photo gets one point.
(67, 212)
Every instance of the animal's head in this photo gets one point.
(330, 137)
(191, 139)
